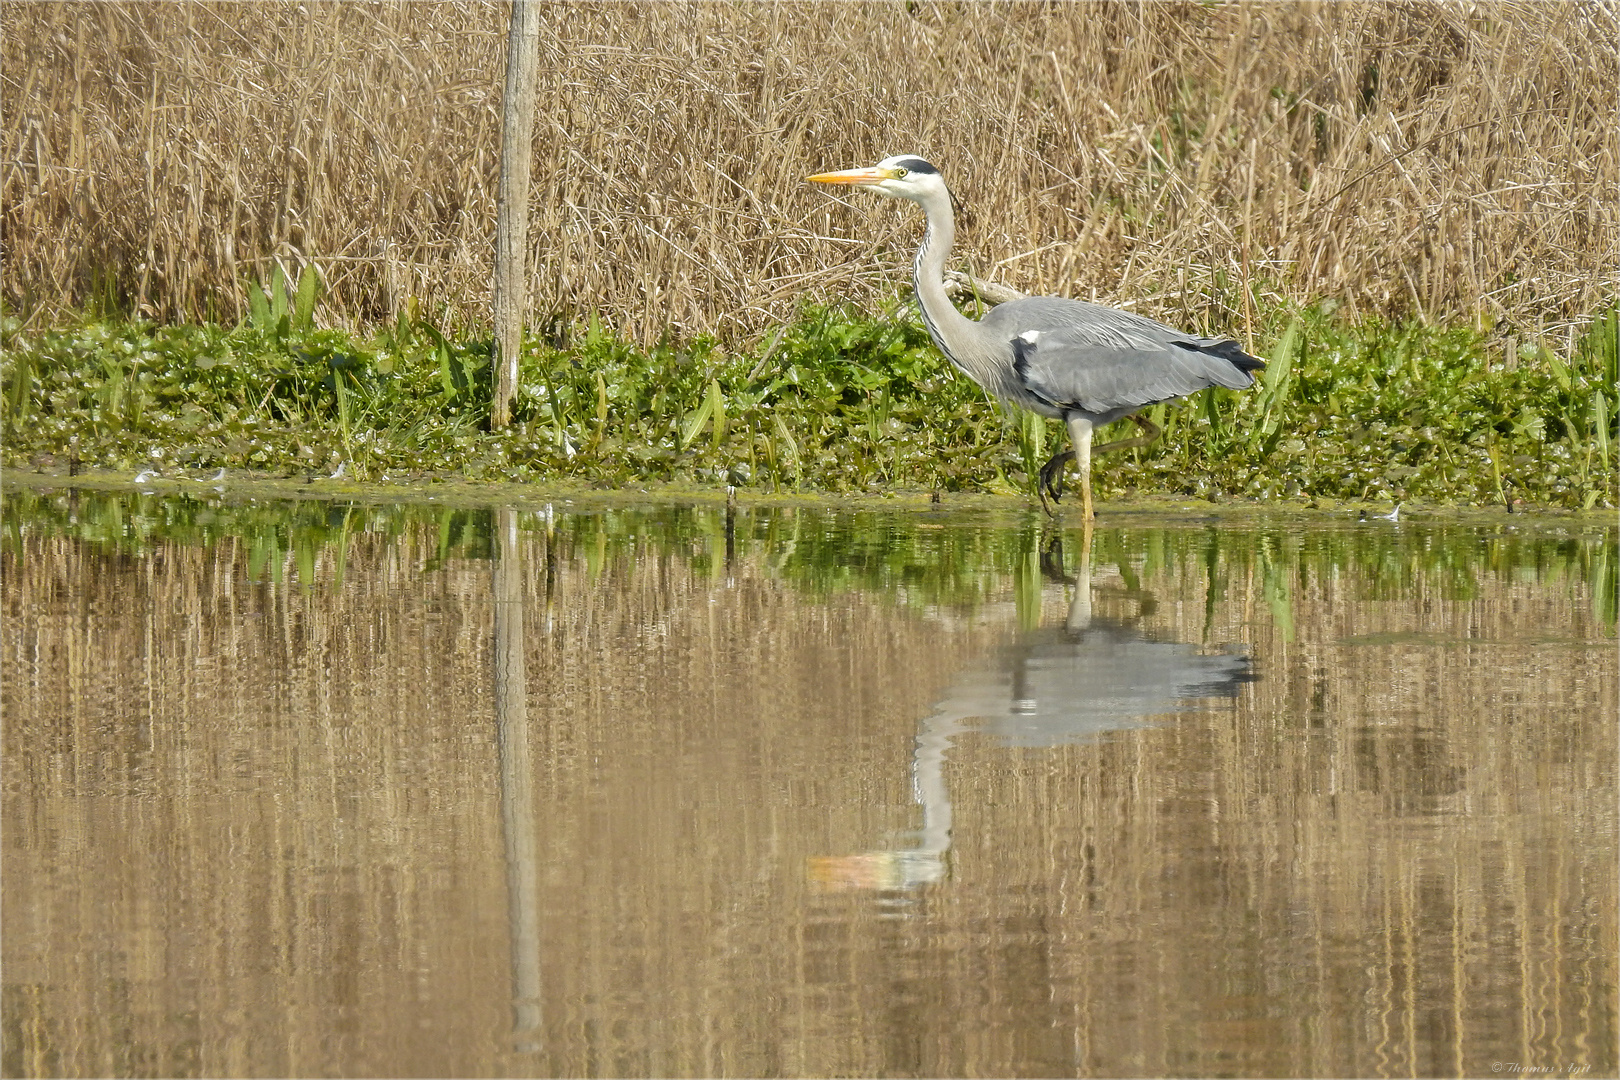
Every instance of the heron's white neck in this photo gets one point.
(953, 332)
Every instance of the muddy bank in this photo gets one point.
(459, 491)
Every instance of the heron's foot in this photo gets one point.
(1051, 479)
(1150, 431)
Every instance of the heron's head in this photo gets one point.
(904, 176)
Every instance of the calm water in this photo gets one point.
(303, 789)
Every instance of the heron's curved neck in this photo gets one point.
(952, 331)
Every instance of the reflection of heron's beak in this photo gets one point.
(874, 870)
(851, 176)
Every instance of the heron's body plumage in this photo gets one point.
(1070, 356)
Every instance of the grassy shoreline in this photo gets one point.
(836, 402)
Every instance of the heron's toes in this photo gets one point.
(1049, 486)
(1051, 478)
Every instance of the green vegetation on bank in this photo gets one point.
(835, 401)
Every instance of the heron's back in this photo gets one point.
(1073, 357)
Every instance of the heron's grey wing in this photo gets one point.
(1103, 324)
(1052, 688)
(1110, 371)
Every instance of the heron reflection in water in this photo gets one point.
(1054, 685)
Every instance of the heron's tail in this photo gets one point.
(1230, 351)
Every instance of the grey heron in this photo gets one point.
(1081, 363)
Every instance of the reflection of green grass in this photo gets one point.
(914, 559)
(835, 401)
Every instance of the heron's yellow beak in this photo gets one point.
(853, 176)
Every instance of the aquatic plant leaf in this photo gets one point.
(309, 283)
(259, 307)
(695, 420)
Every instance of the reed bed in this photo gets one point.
(1200, 162)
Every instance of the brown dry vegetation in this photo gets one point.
(1456, 162)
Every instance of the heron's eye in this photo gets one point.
(900, 172)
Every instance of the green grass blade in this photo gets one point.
(717, 409)
(1281, 361)
(695, 420)
(343, 410)
(1559, 369)
(309, 283)
(1602, 418)
(258, 306)
(1274, 383)
(20, 393)
(278, 295)
(789, 443)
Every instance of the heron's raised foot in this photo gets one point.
(1051, 479)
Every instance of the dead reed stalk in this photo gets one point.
(1200, 162)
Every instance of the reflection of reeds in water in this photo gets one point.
(256, 828)
(1371, 831)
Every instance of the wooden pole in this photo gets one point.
(512, 206)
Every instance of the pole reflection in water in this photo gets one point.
(517, 782)
(1054, 685)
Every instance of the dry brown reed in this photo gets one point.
(1452, 162)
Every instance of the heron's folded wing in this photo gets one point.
(1079, 369)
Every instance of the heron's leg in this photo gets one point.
(1150, 431)
(1080, 431)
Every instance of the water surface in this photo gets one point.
(303, 789)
